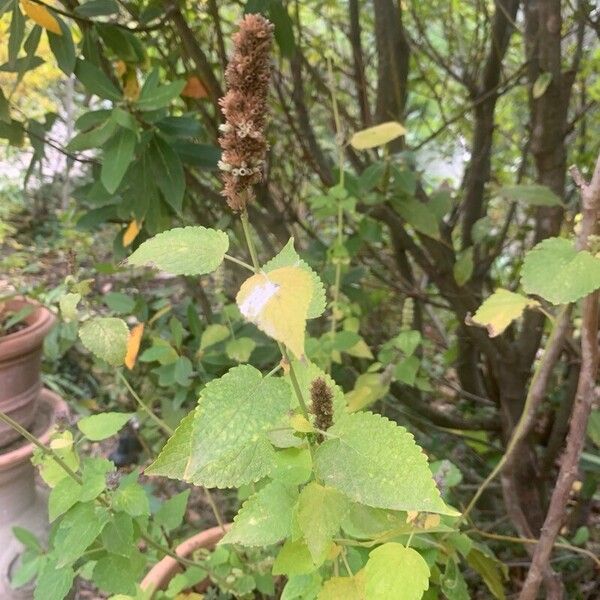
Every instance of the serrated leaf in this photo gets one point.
(106, 338)
(394, 572)
(377, 136)
(118, 154)
(171, 513)
(130, 497)
(183, 251)
(102, 426)
(68, 306)
(293, 559)
(277, 303)
(53, 583)
(319, 514)
(229, 445)
(499, 310)
(345, 588)
(265, 518)
(174, 456)
(117, 535)
(62, 497)
(288, 257)
(214, 334)
(116, 575)
(532, 195)
(399, 478)
(240, 349)
(557, 272)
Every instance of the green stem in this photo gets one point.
(168, 430)
(237, 261)
(249, 240)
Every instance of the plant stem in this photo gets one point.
(168, 430)
(237, 261)
(249, 240)
(45, 449)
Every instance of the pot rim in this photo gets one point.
(9, 459)
(39, 323)
(164, 570)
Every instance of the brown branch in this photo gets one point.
(590, 196)
(359, 63)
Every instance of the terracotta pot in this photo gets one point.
(21, 502)
(20, 358)
(163, 571)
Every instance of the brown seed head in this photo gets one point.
(322, 404)
(244, 107)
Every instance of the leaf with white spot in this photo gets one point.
(499, 310)
(288, 257)
(557, 272)
(183, 251)
(265, 518)
(277, 303)
(352, 461)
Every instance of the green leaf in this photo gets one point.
(319, 514)
(173, 458)
(531, 195)
(96, 81)
(130, 497)
(399, 478)
(53, 583)
(408, 341)
(417, 214)
(27, 538)
(499, 310)
(557, 272)
(293, 466)
(406, 370)
(102, 426)
(159, 97)
(106, 338)
(240, 349)
(463, 267)
(171, 513)
(79, 527)
(22, 65)
(94, 138)
(345, 588)
(63, 48)
(168, 172)
(229, 441)
(121, 303)
(378, 135)
(541, 84)
(204, 156)
(491, 570)
(116, 575)
(183, 251)
(118, 154)
(97, 8)
(4, 108)
(214, 334)
(293, 559)
(302, 587)
(265, 518)
(288, 257)
(284, 31)
(394, 572)
(593, 428)
(117, 535)
(62, 497)
(68, 306)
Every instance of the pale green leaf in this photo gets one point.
(557, 272)
(406, 370)
(174, 456)
(214, 334)
(171, 513)
(593, 428)
(377, 136)
(499, 310)
(399, 478)
(117, 535)
(53, 583)
(106, 338)
(345, 588)
(130, 497)
(394, 572)
(229, 445)
(183, 251)
(62, 497)
(408, 341)
(265, 518)
(68, 306)
(240, 349)
(319, 514)
(288, 257)
(463, 267)
(293, 559)
(540, 85)
(531, 195)
(102, 426)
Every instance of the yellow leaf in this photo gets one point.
(131, 232)
(301, 423)
(41, 15)
(369, 388)
(277, 303)
(131, 86)
(377, 136)
(133, 345)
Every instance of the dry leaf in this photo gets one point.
(133, 345)
(42, 16)
(194, 88)
(131, 233)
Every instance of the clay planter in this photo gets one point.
(21, 502)
(20, 358)
(163, 571)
